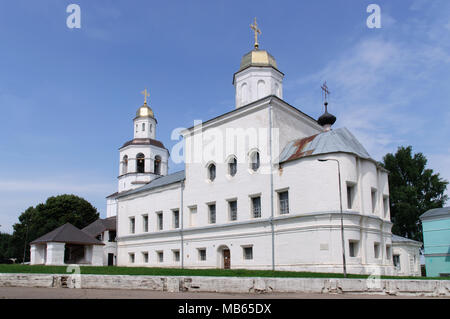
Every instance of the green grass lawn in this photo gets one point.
(39, 269)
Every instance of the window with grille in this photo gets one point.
(284, 202)
(145, 223)
(176, 218)
(256, 207)
(202, 254)
(233, 209)
(212, 213)
(160, 220)
(132, 225)
(248, 253)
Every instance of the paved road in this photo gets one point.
(65, 293)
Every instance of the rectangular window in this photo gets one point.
(350, 195)
(283, 198)
(131, 257)
(373, 194)
(145, 257)
(256, 207)
(396, 260)
(160, 256)
(212, 213)
(159, 216)
(145, 223)
(176, 218)
(376, 250)
(353, 248)
(248, 253)
(202, 254)
(385, 205)
(176, 255)
(193, 216)
(132, 225)
(112, 235)
(233, 209)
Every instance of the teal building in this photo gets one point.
(436, 240)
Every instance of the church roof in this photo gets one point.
(399, 239)
(100, 225)
(158, 182)
(69, 234)
(144, 141)
(436, 213)
(333, 141)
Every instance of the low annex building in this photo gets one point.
(93, 245)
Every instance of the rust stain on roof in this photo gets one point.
(300, 146)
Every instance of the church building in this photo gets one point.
(265, 186)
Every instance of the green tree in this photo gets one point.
(413, 189)
(37, 221)
(5, 247)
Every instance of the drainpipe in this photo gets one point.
(271, 188)
(182, 224)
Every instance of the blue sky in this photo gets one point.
(68, 96)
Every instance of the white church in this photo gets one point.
(265, 186)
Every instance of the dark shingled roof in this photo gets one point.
(436, 213)
(69, 234)
(144, 141)
(100, 225)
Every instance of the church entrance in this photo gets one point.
(110, 259)
(223, 257)
(226, 259)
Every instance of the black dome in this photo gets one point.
(326, 118)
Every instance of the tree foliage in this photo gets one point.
(413, 189)
(57, 210)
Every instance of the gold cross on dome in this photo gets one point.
(257, 31)
(146, 94)
(325, 90)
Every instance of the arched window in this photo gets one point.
(232, 166)
(140, 163)
(157, 168)
(254, 161)
(125, 164)
(212, 172)
(261, 89)
(244, 93)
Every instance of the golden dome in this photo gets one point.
(257, 58)
(145, 111)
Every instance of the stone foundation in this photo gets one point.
(399, 287)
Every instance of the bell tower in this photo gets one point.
(143, 158)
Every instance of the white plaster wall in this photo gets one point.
(111, 207)
(273, 84)
(146, 133)
(55, 254)
(407, 265)
(38, 254)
